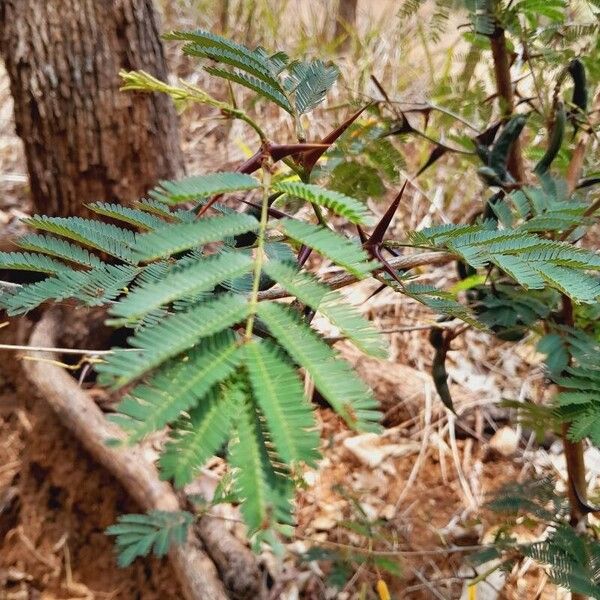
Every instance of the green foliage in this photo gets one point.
(340, 204)
(203, 186)
(536, 498)
(531, 260)
(333, 246)
(333, 377)
(105, 237)
(217, 358)
(59, 248)
(573, 560)
(93, 288)
(138, 535)
(280, 396)
(25, 261)
(177, 237)
(330, 304)
(198, 436)
(199, 363)
(295, 86)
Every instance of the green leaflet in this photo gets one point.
(197, 436)
(156, 207)
(25, 261)
(102, 236)
(442, 302)
(330, 304)
(579, 401)
(133, 216)
(338, 249)
(183, 236)
(94, 287)
(309, 82)
(533, 261)
(199, 276)
(254, 84)
(202, 186)
(573, 560)
(59, 248)
(266, 494)
(212, 42)
(334, 378)
(577, 285)
(170, 337)
(250, 64)
(520, 270)
(137, 535)
(340, 204)
(280, 396)
(178, 386)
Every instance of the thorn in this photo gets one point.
(377, 236)
(309, 159)
(362, 235)
(376, 253)
(303, 255)
(279, 151)
(436, 153)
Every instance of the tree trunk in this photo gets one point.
(345, 21)
(84, 139)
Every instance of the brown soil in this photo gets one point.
(53, 543)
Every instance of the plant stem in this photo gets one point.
(260, 249)
(505, 93)
(240, 114)
(576, 474)
(574, 457)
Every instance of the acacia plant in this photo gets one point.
(203, 270)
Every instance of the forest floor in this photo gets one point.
(420, 488)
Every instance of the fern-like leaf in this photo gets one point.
(265, 493)
(177, 386)
(199, 276)
(333, 377)
(195, 438)
(338, 249)
(138, 535)
(249, 63)
(59, 248)
(340, 204)
(212, 42)
(309, 83)
(330, 304)
(102, 236)
(172, 336)
(254, 84)
(26, 261)
(156, 207)
(202, 186)
(94, 287)
(280, 396)
(133, 216)
(573, 560)
(183, 236)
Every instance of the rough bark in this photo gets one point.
(84, 139)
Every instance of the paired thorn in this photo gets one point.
(276, 152)
(374, 244)
(306, 154)
(309, 159)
